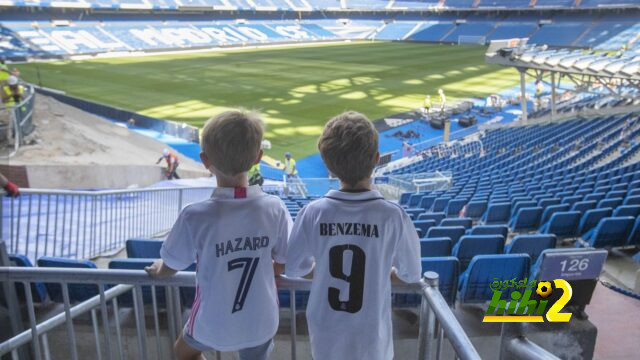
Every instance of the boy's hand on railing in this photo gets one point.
(159, 270)
(12, 189)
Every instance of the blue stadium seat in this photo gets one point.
(543, 203)
(490, 230)
(550, 210)
(422, 226)
(610, 203)
(591, 218)
(437, 217)
(634, 236)
(464, 222)
(632, 200)
(404, 198)
(38, 290)
(610, 232)
(536, 266)
(616, 194)
(431, 247)
(475, 209)
(414, 200)
(455, 206)
(126, 299)
(563, 224)
(522, 204)
(472, 245)
(527, 219)
(77, 292)
(571, 199)
(595, 197)
(426, 202)
(143, 248)
(532, 245)
(627, 210)
(414, 213)
(484, 269)
(583, 206)
(452, 232)
(448, 271)
(497, 213)
(440, 204)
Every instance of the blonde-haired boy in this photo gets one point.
(352, 240)
(238, 239)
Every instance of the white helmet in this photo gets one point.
(165, 152)
(12, 80)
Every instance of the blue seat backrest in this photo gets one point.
(546, 214)
(414, 213)
(431, 247)
(77, 292)
(126, 299)
(497, 213)
(490, 230)
(632, 200)
(440, 204)
(595, 197)
(475, 209)
(464, 222)
(526, 219)
(563, 224)
(143, 248)
(634, 236)
(532, 245)
(591, 218)
(437, 217)
(611, 231)
(414, 200)
(455, 206)
(571, 199)
(616, 194)
(447, 268)
(472, 245)
(627, 210)
(548, 202)
(452, 232)
(583, 206)
(422, 226)
(522, 204)
(610, 203)
(38, 290)
(404, 198)
(485, 269)
(426, 202)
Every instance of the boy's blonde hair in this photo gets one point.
(231, 141)
(348, 145)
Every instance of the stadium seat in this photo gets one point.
(126, 299)
(544, 203)
(610, 232)
(531, 245)
(464, 222)
(527, 219)
(440, 204)
(426, 202)
(414, 213)
(522, 204)
(610, 203)
(632, 200)
(571, 200)
(77, 292)
(452, 232)
(455, 206)
(595, 197)
(414, 200)
(627, 210)
(634, 236)
(484, 269)
(447, 268)
(497, 213)
(143, 248)
(550, 210)
(583, 206)
(475, 209)
(422, 226)
(437, 217)
(490, 230)
(563, 224)
(431, 247)
(591, 218)
(616, 194)
(38, 290)
(404, 198)
(472, 245)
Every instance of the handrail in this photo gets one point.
(35, 191)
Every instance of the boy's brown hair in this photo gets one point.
(231, 141)
(348, 145)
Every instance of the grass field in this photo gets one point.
(296, 88)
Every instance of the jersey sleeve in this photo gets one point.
(406, 255)
(178, 250)
(279, 251)
(299, 255)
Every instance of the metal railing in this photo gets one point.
(109, 334)
(21, 120)
(85, 224)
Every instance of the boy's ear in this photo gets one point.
(377, 157)
(205, 160)
(260, 153)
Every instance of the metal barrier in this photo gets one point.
(85, 224)
(433, 309)
(21, 120)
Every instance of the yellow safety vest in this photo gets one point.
(289, 167)
(8, 95)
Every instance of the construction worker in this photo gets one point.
(4, 71)
(172, 164)
(290, 168)
(12, 94)
(255, 177)
(427, 105)
(443, 100)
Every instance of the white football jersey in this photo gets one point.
(354, 240)
(233, 237)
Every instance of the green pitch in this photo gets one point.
(296, 88)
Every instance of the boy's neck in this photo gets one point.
(362, 185)
(239, 180)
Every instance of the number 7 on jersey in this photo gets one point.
(248, 266)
